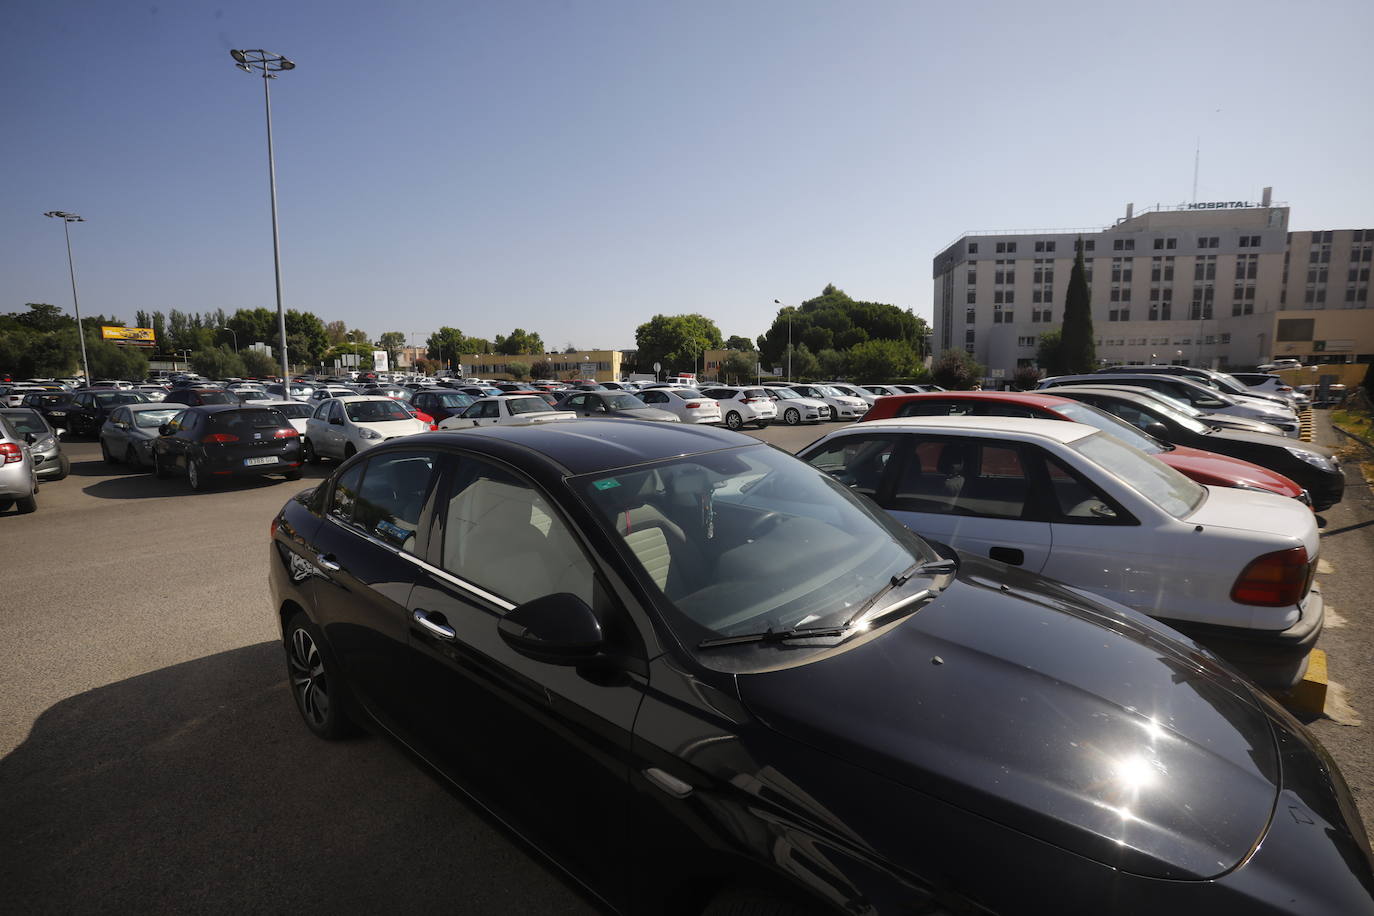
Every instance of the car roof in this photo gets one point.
(1125, 391)
(1059, 430)
(162, 405)
(587, 446)
(1029, 398)
(355, 398)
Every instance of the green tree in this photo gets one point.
(834, 364)
(676, 341)
(336, 332)
(42, 317)
(1025, 378)
(518, 370)
(258, 364)
(253, 326)
(446, 346)
(110, 360)
(541, 369)
(392, 342)
(359, 336)
(833, 320)
(737, 342)
(957, 370)
(876, 361)
(215, 362)
(519, 343)
(805, 366)
(1077, 352)
(361, 350)
(739, 368)
(306, 340)
(1049, 353)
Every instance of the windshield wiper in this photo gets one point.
(771, 635)
(897, 581)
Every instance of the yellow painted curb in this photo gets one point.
(1308, 696)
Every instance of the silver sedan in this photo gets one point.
(129, 432)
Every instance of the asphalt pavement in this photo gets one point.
(151, 759)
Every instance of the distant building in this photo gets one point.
(598, 365)
(1219, 283)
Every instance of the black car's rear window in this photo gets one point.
(111, 398)
(217, 397)
(54, 400)
(243, 423)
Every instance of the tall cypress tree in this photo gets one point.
(1077, 352)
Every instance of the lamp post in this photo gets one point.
(269, 65)
(71, 268)
(789, 337)
(236, 337)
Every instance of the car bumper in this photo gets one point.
(848, 413)
(52, 465)
(16, 480)
(1327, 490)
(1270, 658)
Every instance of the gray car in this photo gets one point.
(614, 405)
(48, 458)
(129, 432)
(18, 473)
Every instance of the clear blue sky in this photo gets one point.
(574, 168)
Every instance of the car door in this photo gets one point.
(577, 403)
(335, 436)
(116, 431)
(173, 446)
(547, 746)
(365, 554)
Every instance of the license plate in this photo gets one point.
(269, 459)
(57, 413)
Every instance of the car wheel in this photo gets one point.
(314, 685)
(734, 421)
(66, 468)
(27, 504)
(791, 416)
(349, 451)
(294, 474)
(195, 476)
(105, 453)
(311, 455)
(5, 504)
(131, 458)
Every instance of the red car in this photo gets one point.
(1204, 467)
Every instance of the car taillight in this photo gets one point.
(288, 433)
(272, 531)
(434, 427)
(220, 437)
(11, 453)
(1275, 579)
(694, 404)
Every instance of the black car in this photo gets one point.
(225, 441)
(89, 409)
(53, 405)
(1315, 468)
(700, 674)
(200, 397)
(441, 404)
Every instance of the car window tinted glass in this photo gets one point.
(246, 424)
(1074, 500)
(217, 397)
(1177, 411)
(502, 535)
(745, 539)
(53, 400)
(152, 419)
(345, 494)
(1157, 482)
(376, 411)
(528, 405)
(1083, 413)
(857, 462)
(26, 421)
(687, 393)
(623, 402)
(455, 400)
(293, 411)
(393, 492)
(654, 397)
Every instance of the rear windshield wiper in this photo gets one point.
(771, 635)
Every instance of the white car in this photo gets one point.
(1208, 400)
(13, 395)
(1265, 383)
(793, 409)
(507, 410)
(690, 405)
(298, 412)
(744, 404)
(854, 391)
(342, 426)
(1279, 365)
(1231, 568)
(842, 406)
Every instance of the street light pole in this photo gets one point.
(236, 337)
(71, 268)
(269, 65)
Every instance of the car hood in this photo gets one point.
(1078, 722)
(1273, 440)
(1209, 467)
(1235, 421)
(816, 403)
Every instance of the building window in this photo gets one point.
(1161, 305)
(972, 247)
(1123, 314)
(1247, 266)
(1121, 270)
(1201, 307)
(1011, 248)
(1001, 247)
(1038, 315)
(1025, 341)
(972, 297)
(1211, 241)
(997, 297)
(972, 278)
(1205, 268)
(1085, 245)
(968, 316)
(1039, 246)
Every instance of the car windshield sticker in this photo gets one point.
(609, 483)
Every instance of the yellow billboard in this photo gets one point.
(131, 335)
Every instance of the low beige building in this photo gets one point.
(594, 365)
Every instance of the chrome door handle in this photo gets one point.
(442, 631)
(327, 561)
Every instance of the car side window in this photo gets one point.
(858, 462)
(932, 409)
(995, 485)
(345, 496)
(322, 410)
(490, 410)
(1074, 500)
(393, 491)
(336, 410)
(653, 397)
(576, 402)
(501, 534)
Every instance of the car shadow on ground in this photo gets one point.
(196, 788)
(142, 484)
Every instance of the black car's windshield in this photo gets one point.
(377, 411)
(152, 419)
(750, 539)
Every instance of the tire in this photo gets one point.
(66, 468)
(349, 451)
(195, 476)
(5, 504)
(311, 456)
(131, 458)
(105, 453)
(791, 416)
(294, 474)
(27, 504)
(755, 901)
(160, 470)
(734, 421)
(315, 686)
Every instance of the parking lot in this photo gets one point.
(151, 759)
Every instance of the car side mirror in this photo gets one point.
(30, 438)
(1157, 429)
(559, 629)
(165, 429)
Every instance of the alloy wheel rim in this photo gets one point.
(792, 416)
(308, 678)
